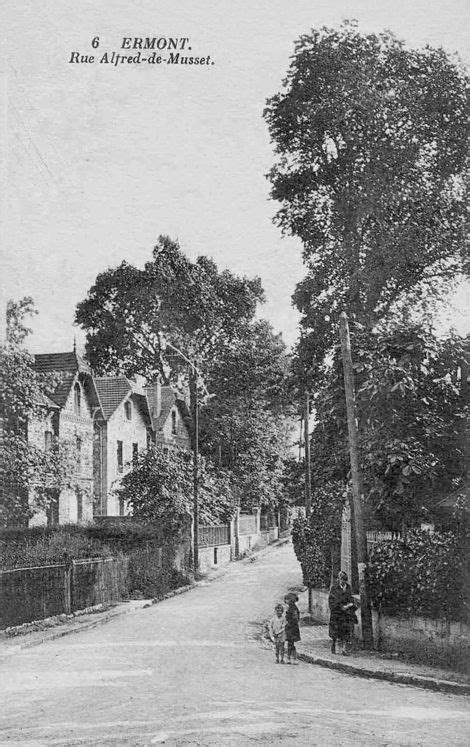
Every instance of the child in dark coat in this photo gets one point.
(292, 630)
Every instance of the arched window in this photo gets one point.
(173, 422)
(77, 398)
(128, 410)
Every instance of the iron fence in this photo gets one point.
(214, 536)
(248, 524)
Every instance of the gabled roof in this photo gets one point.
(67, 364)
(168, 400)
(111, 392)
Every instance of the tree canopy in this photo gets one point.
(130, 312)
(210, 316)
(370, 138)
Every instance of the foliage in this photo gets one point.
(245, 427)
(43, 545)
(129, 313)
(421, 574)
(209, 316)
(371, 143)
(27, 471)
(412, 416)
(159, 490)
(412, 420)
(149, 572)
(316, 540)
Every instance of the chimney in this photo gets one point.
(154, 399)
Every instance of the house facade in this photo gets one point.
(69, 418)
(107, 421)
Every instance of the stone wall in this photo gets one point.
(438, 642)
(213, 557)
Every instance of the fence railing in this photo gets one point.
(34, 593)
(214, 536)
(248, 524)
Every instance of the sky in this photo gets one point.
(97, 161)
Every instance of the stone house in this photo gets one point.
(69, 417)
(131, 418)
(108, 421)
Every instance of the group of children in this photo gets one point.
(284, 627)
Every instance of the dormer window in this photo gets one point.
(128, 410)
(77, 399)
(173, 423)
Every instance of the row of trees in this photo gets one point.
(371, 174)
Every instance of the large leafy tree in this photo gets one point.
(246, 426)
(412, 415)
(30, 477)
(129, 313)
(159, 488)
(371, 143)
(209, 316)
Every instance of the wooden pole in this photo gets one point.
(356, 478)
(308, 478)
(196, 477)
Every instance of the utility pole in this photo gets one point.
(195, 472)
(308, 478)
(356, 476)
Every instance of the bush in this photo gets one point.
(421, 574)
(317, 540)
(43, 545)
(314, 559)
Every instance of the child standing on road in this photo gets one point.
(277, 632)
(292, 629)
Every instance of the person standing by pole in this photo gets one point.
(356, 479)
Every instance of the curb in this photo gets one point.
(427, 683)
(61, 632)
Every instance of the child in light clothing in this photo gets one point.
(277, 632)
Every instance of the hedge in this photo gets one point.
(422, 573)
(151, 571)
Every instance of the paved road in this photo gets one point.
(192, 670)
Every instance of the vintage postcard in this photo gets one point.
(234, 372)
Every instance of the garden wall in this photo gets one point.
(437, 642)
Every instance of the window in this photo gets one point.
(53, 511)
(120, 462)
(135, 454)
(48, 440)
(173, 423)
(79, 505)
(128, 410)
(121, 507)
(77, 399)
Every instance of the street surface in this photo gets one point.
(192, 670)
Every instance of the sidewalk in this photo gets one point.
(315, 649)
